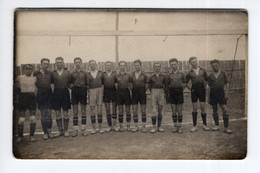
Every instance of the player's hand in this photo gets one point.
(226, 97)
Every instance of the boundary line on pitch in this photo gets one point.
(168, 124)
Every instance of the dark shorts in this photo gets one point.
(217, 96)
(138, 96)
(79, 95)
(44, 98)
(26, 101)
(176, 96)
(61, 99)
(109, 95)
(123, 97)
(198, 93)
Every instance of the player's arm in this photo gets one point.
(226, 87)
(184, 81)
(116, 82)
(188, 84)
(150, 84)
(226, 90)
(146, 82)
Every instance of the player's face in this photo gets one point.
(157, 68)
(59, 63)
(122, 67)
(174, 65)
(137, 67)
(45, 65)
(78, 64)
(28, 71)
(194, 63)
(92, 65)
(108, 66)
(215, 67)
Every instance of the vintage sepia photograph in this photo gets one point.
(139, 84)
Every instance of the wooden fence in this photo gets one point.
(237, 82)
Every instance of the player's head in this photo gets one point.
(59, 62)
(193, 62)
(45, 62)
(78, 62)
(108, 66)
(214, 65)
(92, 65)
(157, 67)
(122, 66)
(28, 69)
(173, 63)
(138, 64)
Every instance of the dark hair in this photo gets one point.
(92, 61)
(192, 58)
(77, 58)
(173, 60)
(45, 59)
(108, 62)
(122, 62)
(59, 58)
(138, 61)
(214, 61)
(157, 63)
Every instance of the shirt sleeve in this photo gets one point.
(146, 80)
(226, 80)
(188, 77)
(205, 75)
(184, 78)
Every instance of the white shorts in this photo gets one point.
(96, 96)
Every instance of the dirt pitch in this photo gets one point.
(128, 145)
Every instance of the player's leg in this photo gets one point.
(99, 108)
(48, 113)
(92, 103)
(225, 118)
(75, 93)
(128, 116)
(108, 116)
(120, 117)
(204, 115)
(100, 118)
(66, 123)
(32, 125)
(174, 118)
(180, 115)
(83, 119)
(142, 100)
(154, 108)
(215, 117)
(93, 118)
(161, 103)
(135, 117)
(59, 123)
(194, 100)
(194, 116)
(127, 101)
(160, 129)
(20, 125)
(75, 120)
(143, 110)
(44, 124)
(114, 115)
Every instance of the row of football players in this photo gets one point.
(117, 90)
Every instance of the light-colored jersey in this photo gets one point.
(26, 83)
